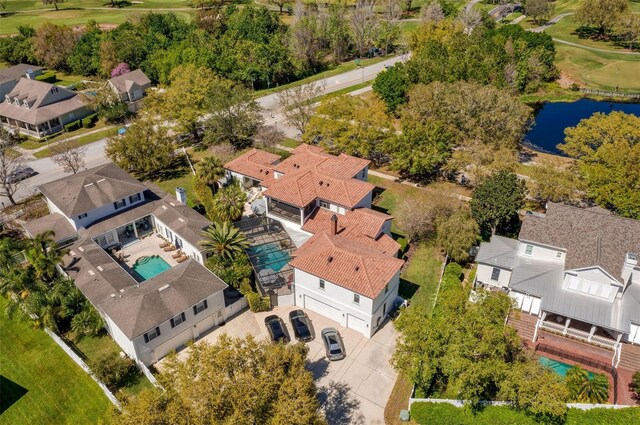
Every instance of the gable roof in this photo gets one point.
(307, 156)
(91, 189)
(17, 71)
(363, 225)
(591, 236)
(256, 164)
(125, 82)
(347, 263)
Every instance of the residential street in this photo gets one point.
(49, 171)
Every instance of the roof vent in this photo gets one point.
(122, 290)
(162, 288)
(113, 295)
(100, 181)
(72, 252)
(92, 273)
(164, 207)
(181, 220)
(81, 249)
(100, 268)
(320, 183)
(88, 184)
(330, 259)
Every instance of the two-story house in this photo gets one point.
(576, 269)
(38, 109)
(9, 77)
(130, 88)
(135, 254)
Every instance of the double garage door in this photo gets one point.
(334, 314)
(526, 303)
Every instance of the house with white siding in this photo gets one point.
(576, 269)
(135, 254)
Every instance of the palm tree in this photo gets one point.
(224, 240)
(18, 285)
(585, 388)
(9, 247)
(229, 203)
(210, 170)
(44, 256)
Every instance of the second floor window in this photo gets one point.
(321, 284)
(134, 198)
(200, 307)
(324, 204)
(356, 299)
(119, 204)
(175, 321)
(528, 250)
(495, 274)
(81, 216)
(151, 335)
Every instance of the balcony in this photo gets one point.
(284, 211)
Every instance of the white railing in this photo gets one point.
(617, 351)
(580, 335)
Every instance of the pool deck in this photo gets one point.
(146, 247)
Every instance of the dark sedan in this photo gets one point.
(333, 344)
(302, 328)
(277, 329)
(21, 174)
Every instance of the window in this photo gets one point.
(528, 250)
(558, 254)
(81, 216)
(386, 288)
(134, 198)
(321, 284)
(356, 299)
(384, 309)
(495, 273)
(363, 173)
(151, 335)
(200, 307)
(324, 204)
(175, 321)
(119, 204)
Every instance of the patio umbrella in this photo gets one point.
(259, 206)
(267, 276)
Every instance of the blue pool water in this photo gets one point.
(270, 255)
(553, 117)
(148, 267)
(558, 367)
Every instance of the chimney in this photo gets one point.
(181, 195)
(334, 225)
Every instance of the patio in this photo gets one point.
(147, 246)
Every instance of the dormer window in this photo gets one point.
(25, 104)
(119, 204)
(81, 216)
(528, 250)
(134, 198)
(324, 204)
(7, 98)
(54, 90)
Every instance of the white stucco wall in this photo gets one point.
(307, 285)
(365, 202)
(362, 174)
(484, 275)
(186, 247)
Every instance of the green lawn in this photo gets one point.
(40, 383)
(565, 29)
(33, 143)
(84, 140)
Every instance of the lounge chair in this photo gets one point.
(169, 248)
(182, 259)
(164, 244)
(177, 255)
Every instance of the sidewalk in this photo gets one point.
(27, 154)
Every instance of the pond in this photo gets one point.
(553, 118)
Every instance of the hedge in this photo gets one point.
(446, 414)
(47, 77)
(89, 120)
(258, 303)
(72, 125)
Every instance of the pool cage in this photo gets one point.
(269, 253)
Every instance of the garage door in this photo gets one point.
(175, 342)
(356, 323)
(322, 308)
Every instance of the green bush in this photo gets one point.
(447, 414)
(89, 121)
(47, 77)
(258, 303)
(74, 125)
(113, 370)
(635, 382)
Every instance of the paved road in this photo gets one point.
(49, 171)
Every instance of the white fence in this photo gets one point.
(462, 403)
(84, 366)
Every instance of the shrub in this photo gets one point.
(635, 382)
(72, 126)
(47, 77)
(258, 303)
(113, 370)
(89, 120)
(574, 87)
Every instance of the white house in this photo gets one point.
(130, 88)
(576, 269)
(115, 225)
(325, 200)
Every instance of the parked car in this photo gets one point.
(277, 329)
(302, 328)
(21, 174)
(333, 344)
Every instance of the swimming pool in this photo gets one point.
(558, 367)
(269, 256)
(148, 267)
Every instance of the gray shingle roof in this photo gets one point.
(91, 189)
(16, 72)
(56, 222)
(591, 237)
(125, 82)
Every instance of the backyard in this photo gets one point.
(40, 384)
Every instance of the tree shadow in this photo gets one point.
(10, 392)
(587, 32)
(339, 404)
(318, 368)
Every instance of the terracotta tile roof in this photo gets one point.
(304, 186)
(591, 236)
(348, 263)
(307, 156)
(256, 164)
(362, 224)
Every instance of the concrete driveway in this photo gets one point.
(354, 390)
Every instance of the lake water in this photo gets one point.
(553, 118)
